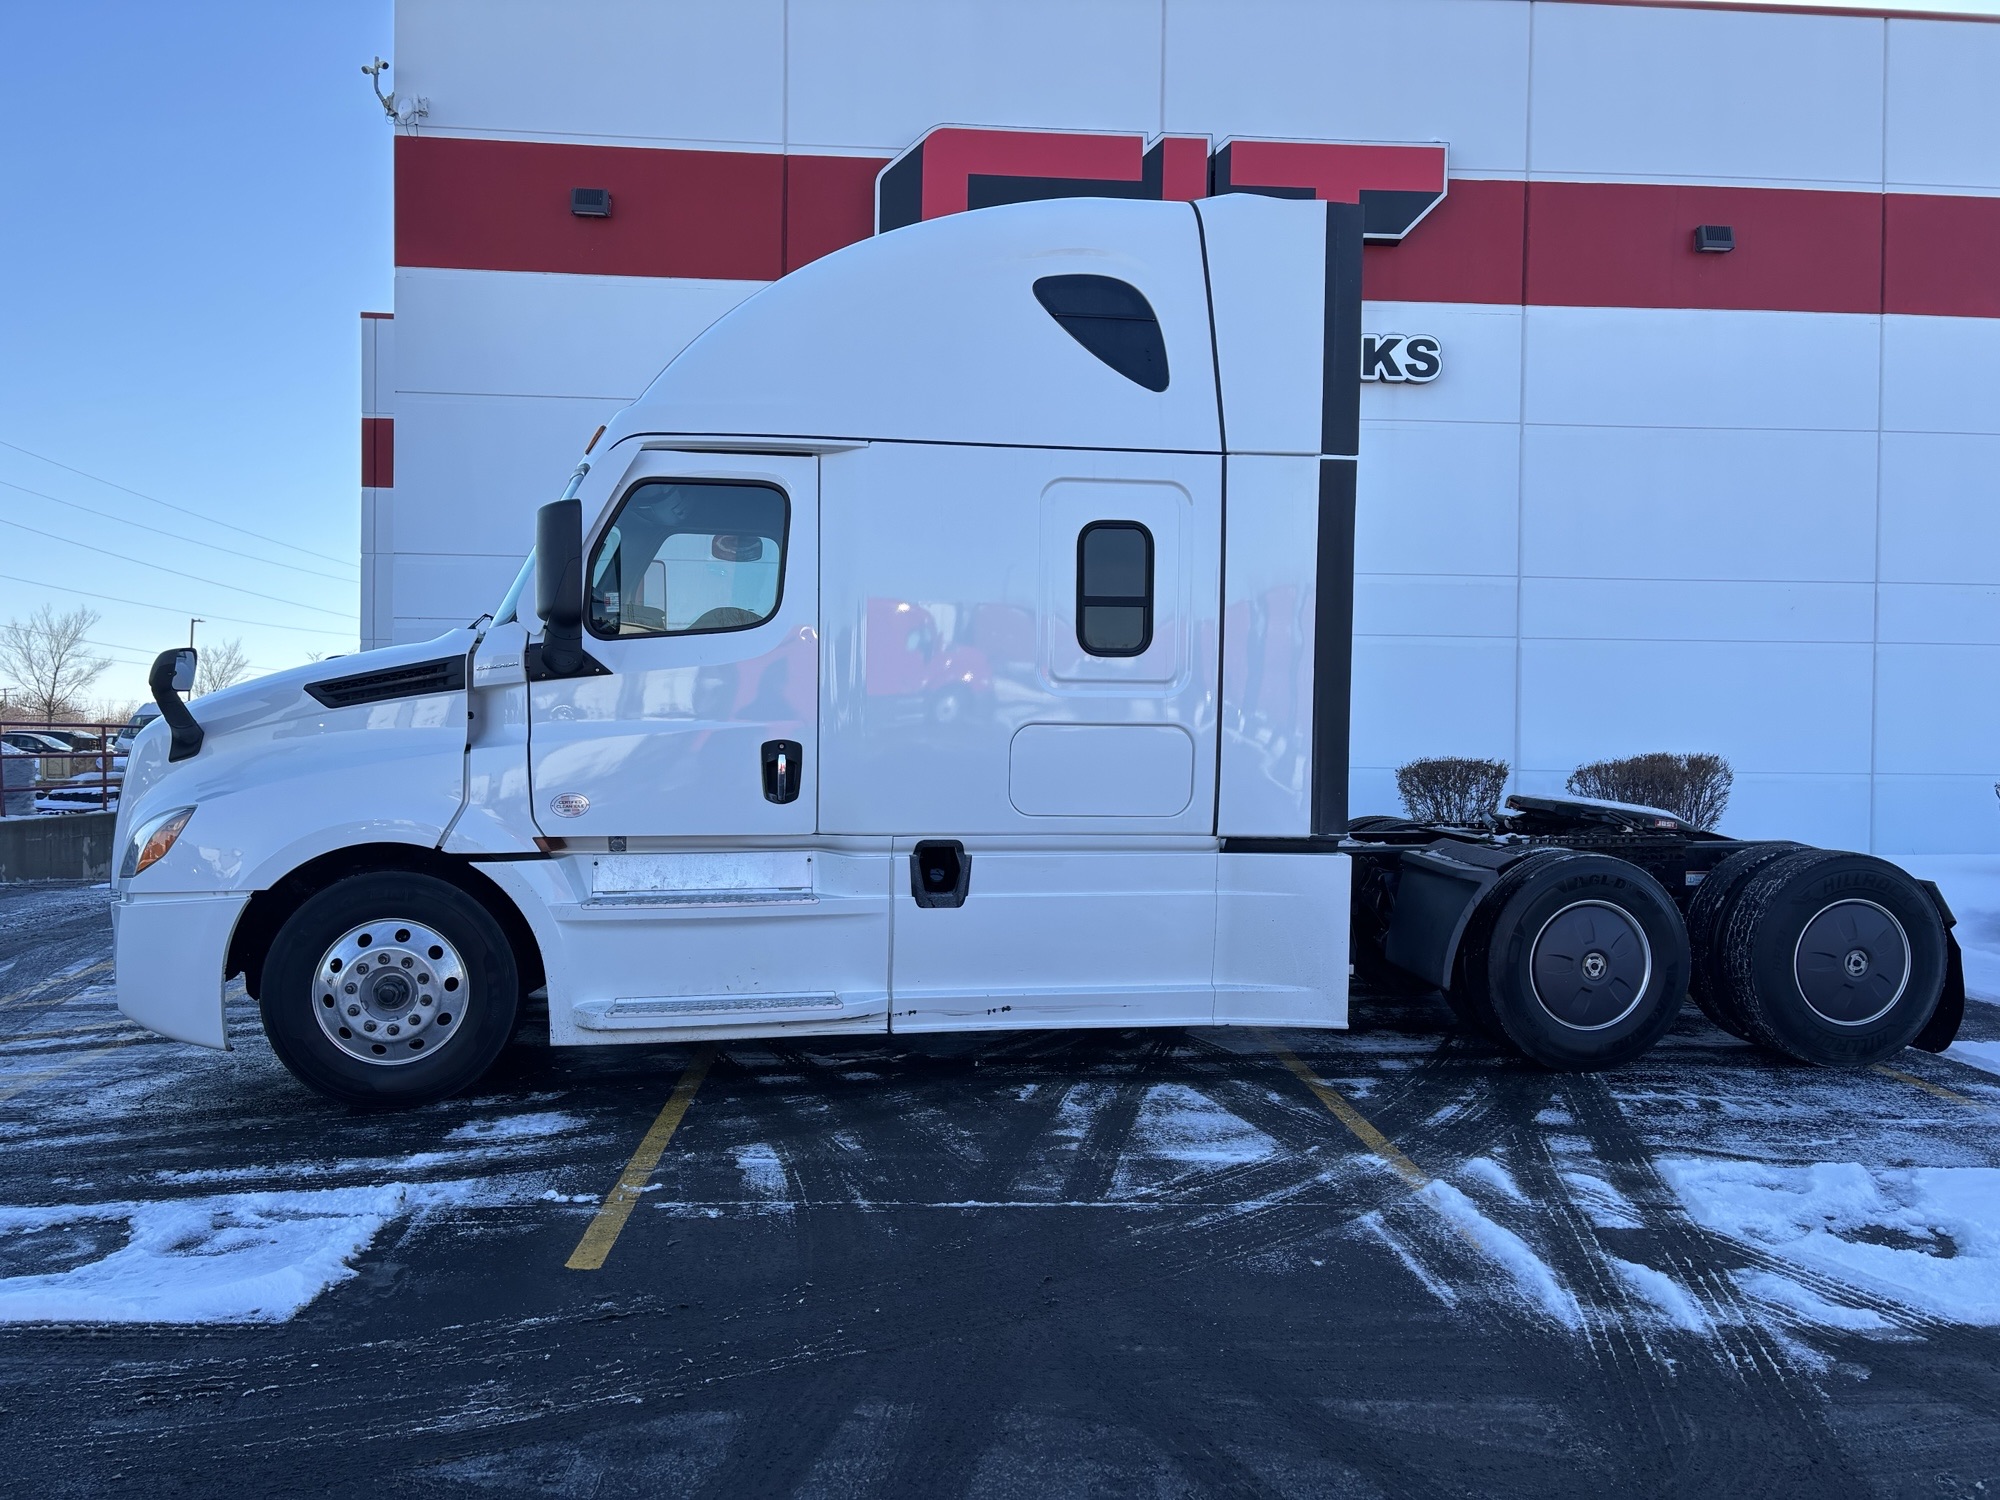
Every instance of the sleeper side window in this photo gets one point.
(1113, 320)
(689, 557)
(1114, 588)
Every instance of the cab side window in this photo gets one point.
(1114, 588)
(690, 557)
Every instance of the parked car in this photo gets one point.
(35, 742)
(78, 741)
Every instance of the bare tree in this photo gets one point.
(49, 662)
(221, 666)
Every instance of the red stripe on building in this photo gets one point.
(378, 453)
(829, 202)
(1472, 243)
(1942, 256)
(504, 206)
(1624, 244)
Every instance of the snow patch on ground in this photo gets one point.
(1489, 1173)
(1810, 1307)
(228, 1258)
(1532, 1278)
(535, 1127)
(1928, 1237)
(763, 1173)
(1664, 1293)
(1371, 1224)
(1182, 1124)
(1602, 1204)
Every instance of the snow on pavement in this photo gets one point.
(227, 1258)
(1926, 1237)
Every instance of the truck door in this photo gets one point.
(683, 777)
(702, 610)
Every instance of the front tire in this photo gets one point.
(1580, 961)
(390, 990)
(1834, 959)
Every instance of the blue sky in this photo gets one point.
(198, 208)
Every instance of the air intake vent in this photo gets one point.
(445, 675)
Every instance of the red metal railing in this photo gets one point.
(80, 780)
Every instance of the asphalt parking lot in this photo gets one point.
(1126, 1263)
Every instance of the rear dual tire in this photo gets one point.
(1833, 959)
(1577, 961)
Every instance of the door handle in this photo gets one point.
(784, 770)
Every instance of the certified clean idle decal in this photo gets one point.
(569, 805)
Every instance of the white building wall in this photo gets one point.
(1601, 531)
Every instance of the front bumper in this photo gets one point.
(169, 953)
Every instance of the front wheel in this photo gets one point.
(390, 990)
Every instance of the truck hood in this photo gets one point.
(272, 728)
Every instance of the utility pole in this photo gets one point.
(193, 620)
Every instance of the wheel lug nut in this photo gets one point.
(394, 1029)
(416, 1020)
(367, 1025)
(354, 1010)
(426, 1000)
(350, 987)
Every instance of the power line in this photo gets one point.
(163, 568)
(168, 609)
(155, 499)
(191, 541)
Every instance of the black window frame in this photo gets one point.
(714, 480)
(1145, 602)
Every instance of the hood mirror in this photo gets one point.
(172, 675)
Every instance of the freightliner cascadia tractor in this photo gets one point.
(955, 636)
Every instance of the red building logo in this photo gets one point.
(955, 168)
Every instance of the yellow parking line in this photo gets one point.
(27, 1082)
(602, 1233)
(1352, 1118)
(1926, 1085)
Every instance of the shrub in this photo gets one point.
(1451, 789)
(1694, 788)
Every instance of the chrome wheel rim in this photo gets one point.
(390, 992)
(1590, 965)
(1852, 962)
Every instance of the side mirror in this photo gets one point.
(172, 675)
(559, 586)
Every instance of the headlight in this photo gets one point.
(152, 839)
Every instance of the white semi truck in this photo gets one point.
(954, 636)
